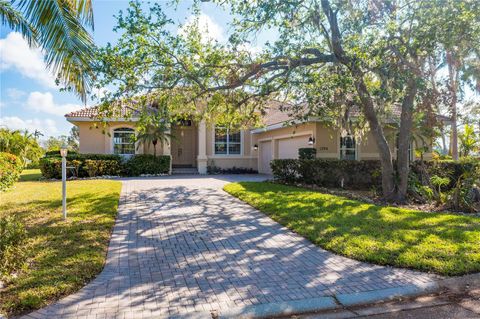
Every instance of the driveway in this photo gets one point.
(181, 246)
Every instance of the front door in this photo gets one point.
(184, 146)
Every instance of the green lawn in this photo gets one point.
(446, 244)
(62, 256)
(32, 174)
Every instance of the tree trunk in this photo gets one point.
(404, 136)
(453, 79)
(388, 182)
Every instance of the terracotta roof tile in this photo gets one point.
(93, 112)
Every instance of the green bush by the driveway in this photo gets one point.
(58, 257)
(446, 244)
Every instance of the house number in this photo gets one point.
(323, 148)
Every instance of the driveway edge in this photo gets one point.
(337, 301)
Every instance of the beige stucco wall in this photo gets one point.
(96, 138)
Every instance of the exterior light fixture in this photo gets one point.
(255, 147)
(311, 140)
(63, 153)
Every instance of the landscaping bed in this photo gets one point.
(53, 257)
(442, 243)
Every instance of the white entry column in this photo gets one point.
(202, 148)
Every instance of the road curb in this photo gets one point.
(338, 301)
(280, 308)
(380, 295)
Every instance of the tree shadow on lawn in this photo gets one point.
(443, 243)
(61, 256)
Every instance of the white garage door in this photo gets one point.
(288, 148)
(265, 152)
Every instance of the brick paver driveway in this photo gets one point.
(183, 246)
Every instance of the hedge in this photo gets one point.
(360, 175)
(147, 164)
(328, 173)
(10, 169)
(92, 165)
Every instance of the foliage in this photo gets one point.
(154, 127)
(53, 144)
(58, 29)
(10, 169)
(469, 141)
(231, 170)
(328, 172)
(147, 164)
(440, 182)
(466, 194)
(102, 167)
(12, 235)
(22, 144)
(83, 165)
(446, 244)
(61, 256)
(307, 153)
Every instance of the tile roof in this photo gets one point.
(93, 112)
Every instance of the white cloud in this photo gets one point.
(46, 126)
(15, 94)
(209, 29)
(43, 102)
(17, 55)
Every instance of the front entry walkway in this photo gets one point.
(183, 247)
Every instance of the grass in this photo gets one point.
(29, 175)
(445, 244)
(61, 256)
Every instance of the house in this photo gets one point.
(197, 145)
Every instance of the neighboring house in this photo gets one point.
(197, 145)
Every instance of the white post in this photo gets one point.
(202, 148)
(64, 187)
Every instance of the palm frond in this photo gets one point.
(15, 21)
(67, 44)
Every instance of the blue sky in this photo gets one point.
(29, 98)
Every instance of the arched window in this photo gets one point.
(124, 141)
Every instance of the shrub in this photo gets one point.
(82, 165)
(12, 234)
(233, 170)
(91, 165)
(103, 167)
(328, 173)
(307, 153)
(147, 164)
(10, 169)
(51, 167)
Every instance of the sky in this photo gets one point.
(29, 98)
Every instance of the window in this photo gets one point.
(348, 150)
(226, 142)
(123, 141)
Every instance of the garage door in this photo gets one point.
(265, 152)
(288, 148)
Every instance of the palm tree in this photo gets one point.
(154, 133)
(58, 28)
